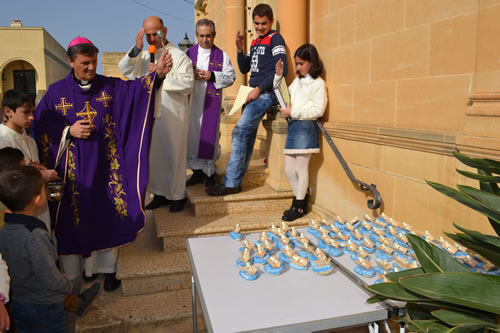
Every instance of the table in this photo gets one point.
(295, 301)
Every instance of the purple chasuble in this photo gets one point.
(213, 98)
(105, 175)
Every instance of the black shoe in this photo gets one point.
(177, 205)
(110, 282)
(298, 210)
(158, 201)
(89, 278)
(210, 181)
(221, 189)
(87, 297)
(196, 178)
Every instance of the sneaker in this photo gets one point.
(110, 282)
(87, 297)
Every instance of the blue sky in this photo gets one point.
(110, 24)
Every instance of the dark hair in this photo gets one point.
(83, 48)
(19, 186)
(10, 158)
(263, 10)
(14, 98)
(309, 53)
(207, 22)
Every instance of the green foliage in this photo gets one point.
(444, 295)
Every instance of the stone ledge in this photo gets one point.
(162, 312)
(433, 142)
(185, 224)
(254, 197)
(484, 104)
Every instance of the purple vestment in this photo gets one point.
(106, 174)
(213, 98)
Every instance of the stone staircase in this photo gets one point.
(156, 281)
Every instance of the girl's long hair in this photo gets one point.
(309, 53)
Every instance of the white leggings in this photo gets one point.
(297, 171)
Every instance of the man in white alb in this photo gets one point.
(167, 158)
(213, 71)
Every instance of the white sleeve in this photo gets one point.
(225, 78)
(181, 78)
(133, 68)
(277, 78)
(311, 105)
(4, 279)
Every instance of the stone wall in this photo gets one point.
(409, 81)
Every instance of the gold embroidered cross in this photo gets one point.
(88, 111)
(63, 106)
(104, 99)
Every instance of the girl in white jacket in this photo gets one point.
(308, 102)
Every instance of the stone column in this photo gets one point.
(292, 21)
(234, 20)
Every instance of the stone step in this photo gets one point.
(252, 198)
(256, 174)
(174, 228)
(169, 311)
(144, 267)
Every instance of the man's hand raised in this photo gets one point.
(239, 41)
(139, 39)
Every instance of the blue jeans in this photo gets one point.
(243, 139)
(40, 318)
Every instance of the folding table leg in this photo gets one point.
(193, 289)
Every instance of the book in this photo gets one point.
(240, 99)
(281, 92)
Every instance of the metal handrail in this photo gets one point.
(377, 199)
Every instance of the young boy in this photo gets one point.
(265, 51)
(38, 287)
(18, 110)
(9, 158)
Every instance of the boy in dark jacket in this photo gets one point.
(265, 51)
(38, 287)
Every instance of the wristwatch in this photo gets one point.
(2, 298)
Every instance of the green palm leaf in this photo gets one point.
(394, 290)
(479, 291)
(484, 249)
(466, 200)
(421, 325)
(394, 276)
(437, 328)
(480, 177)
(452, 317)
(490, 200)
(434, 259)
(467, 328)
(492, 240)
(375, 299)
(479, 163)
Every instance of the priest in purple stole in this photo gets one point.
(213, 71)
(95, 130)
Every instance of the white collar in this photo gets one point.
(9, 132)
